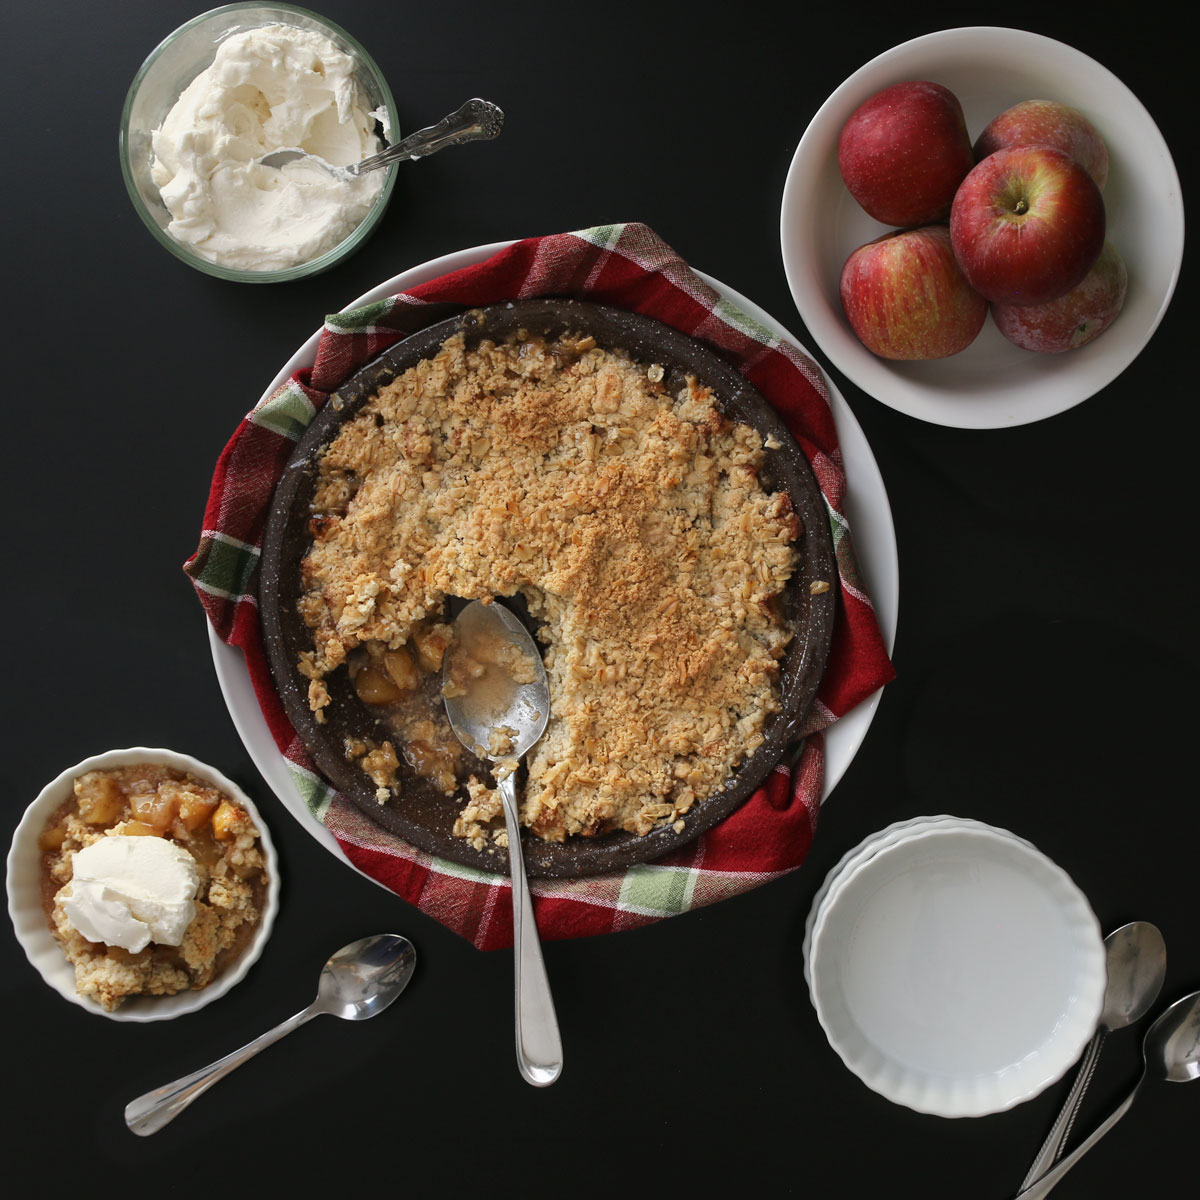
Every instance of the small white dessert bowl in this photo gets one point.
(26, 905)
(957, 970)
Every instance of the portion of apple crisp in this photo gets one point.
(635, 526)
(155, 801)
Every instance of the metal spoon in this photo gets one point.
(476, 121)
(1137, 965)
(485, 704)
(358, 982)
(1171, 1051)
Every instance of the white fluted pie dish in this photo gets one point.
(954, 968)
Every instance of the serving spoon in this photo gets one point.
(1170, 1051)
(358, 982)
(1136, 960)
(476, 121)
(484, 703)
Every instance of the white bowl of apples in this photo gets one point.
(954, 366)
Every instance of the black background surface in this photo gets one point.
(1046, 652)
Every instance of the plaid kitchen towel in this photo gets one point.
(630, 267)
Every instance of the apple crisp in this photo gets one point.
(633, 523)
(153, 801)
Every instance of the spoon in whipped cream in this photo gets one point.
(476, 121)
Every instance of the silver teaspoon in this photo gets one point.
(477, 121)
(1136, 958)
(1170, 1051)
(358, 982)
(498, 702)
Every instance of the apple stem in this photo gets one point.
(1022, 206)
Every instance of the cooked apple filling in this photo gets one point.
(632, 521)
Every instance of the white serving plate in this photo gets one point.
(866, 508)
(993, 383)
(29, 920)
(958, 971)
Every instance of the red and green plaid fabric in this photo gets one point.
(630, 267)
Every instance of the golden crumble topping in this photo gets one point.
(482, 819)
(632, 521)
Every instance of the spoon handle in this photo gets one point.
(1047, 1182)
(539, 1047)
(476, 121)
(149, 1113)
(1056, 1139)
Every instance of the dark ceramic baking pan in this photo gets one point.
(424, 816)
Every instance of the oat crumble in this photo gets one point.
(631, 520)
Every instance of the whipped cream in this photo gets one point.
(273, 88)
(131, 891)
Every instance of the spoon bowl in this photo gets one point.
(365, 977)
(1137, 967)
(1173, 1041)
(484, 695)
(358, 982)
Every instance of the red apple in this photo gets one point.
(1048, 123)
(906, 298)
(1027, 225)
(904, 151)
(1073, 320)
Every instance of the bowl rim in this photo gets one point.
(927, 1091)
(33, 931)
(886, 381)
(857, 855)
(314, 266)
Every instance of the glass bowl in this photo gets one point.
(30, 923)
(173, 64)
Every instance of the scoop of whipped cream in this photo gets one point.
(272, 88)
(131, 891)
